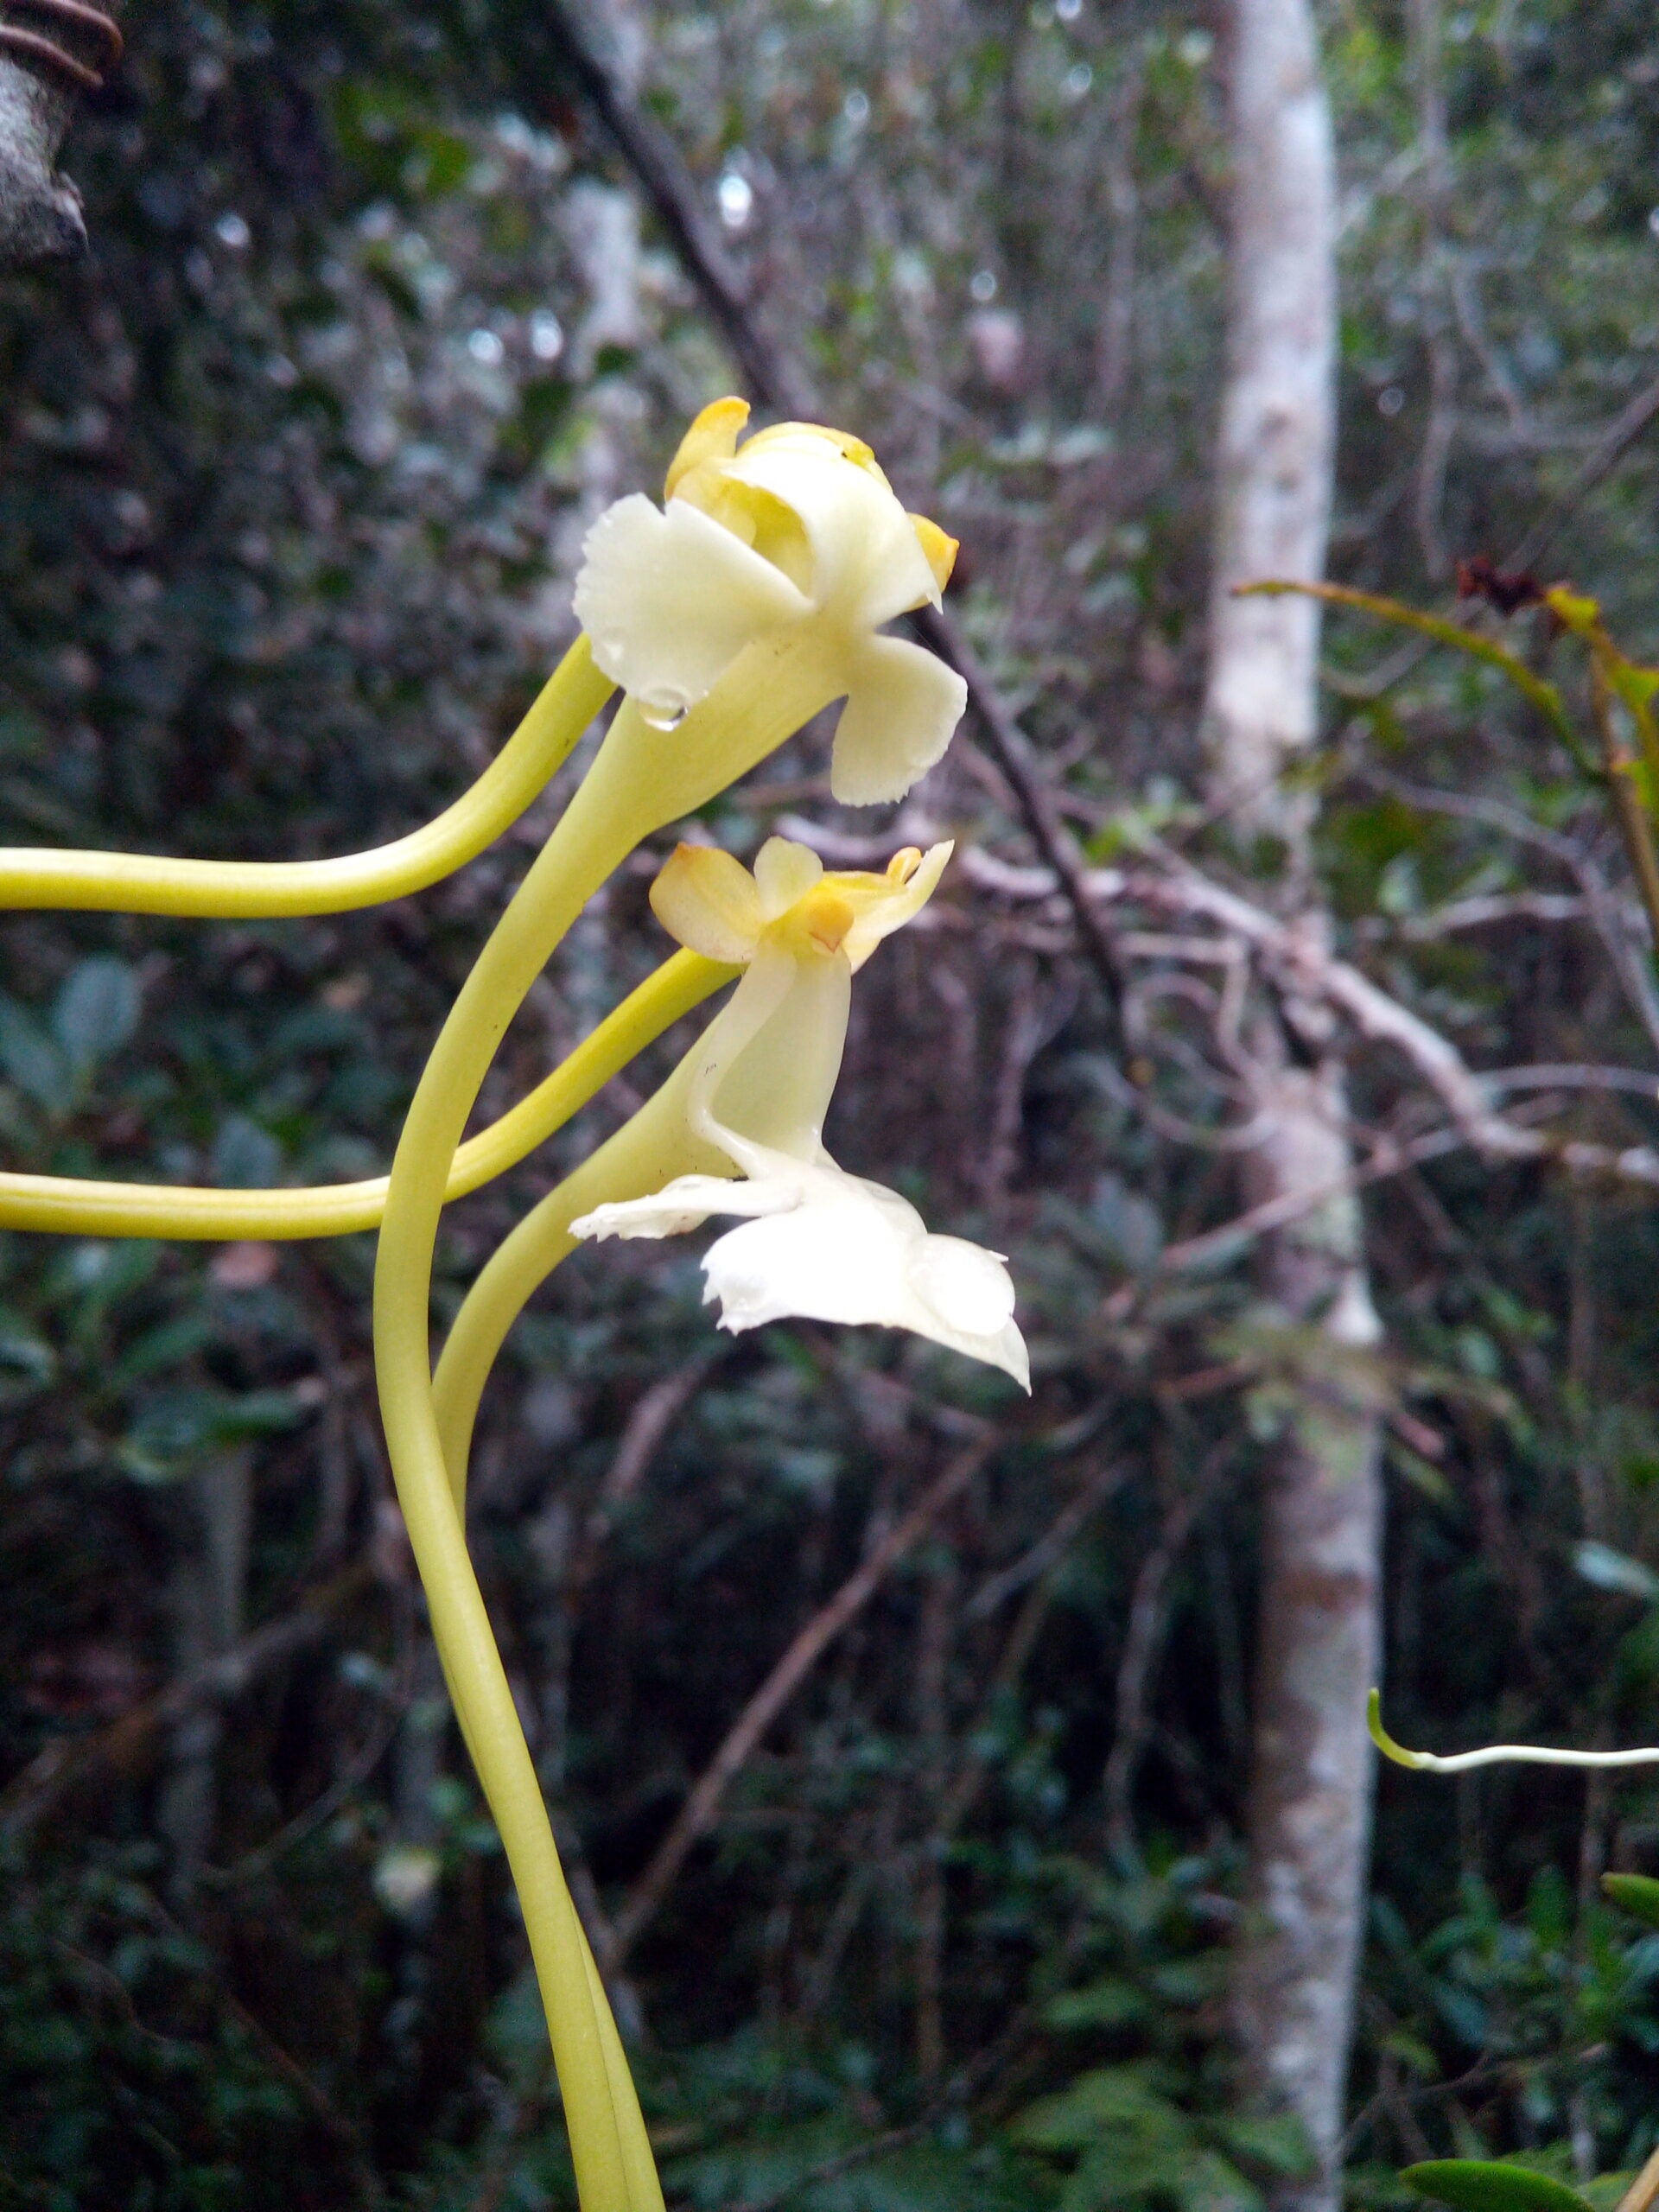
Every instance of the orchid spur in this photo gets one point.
(755, 598)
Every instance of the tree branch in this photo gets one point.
(59, 49)
(702, 1809)
(62, 1768)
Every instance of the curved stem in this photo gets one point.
(1495, 1754)
(643, 778)
(659, 1142)
(66, 1206)
(646, 1153)
(1542, 694)
(144, 883)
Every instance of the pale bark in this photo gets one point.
(40, 217)
(1309, 1817)
(1272, 474)
(1309, 1813)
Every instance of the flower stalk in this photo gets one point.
(755, 597)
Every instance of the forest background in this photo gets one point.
(908, 1740)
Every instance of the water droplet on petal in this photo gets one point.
(663, 709)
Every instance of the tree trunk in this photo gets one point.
(209, 1594)
(1298, 1952)
(1272, 471)
(48, 56)
(1309, 1817)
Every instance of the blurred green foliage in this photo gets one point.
(292, 476)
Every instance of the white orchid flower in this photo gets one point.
(795, 540)
(816, 1242)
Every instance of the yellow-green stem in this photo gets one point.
(68, 1206)
(645, 1154)
(146, 883)
(642, 779)
(1635, 828)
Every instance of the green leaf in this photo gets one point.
(1110, 2100)
(96, 1012)
(1636, 1894)
(176, 1429)
(29, 1057)
(1277, 2142)
(168, 1344)
(1113, 2002)
(1491, 2185)
(28, 1363)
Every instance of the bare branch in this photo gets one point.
(702, 1809)
(54, 1774)
(776, 377)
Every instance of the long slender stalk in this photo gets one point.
(1497, 1754)
(68, 1206)
(1635, 825)
(643, 778)
(146, 883)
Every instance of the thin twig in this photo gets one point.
(53, 1774)
(702, 1809)
(649, 151)
(1050, 1548)
(779, 379)
(1621, 434)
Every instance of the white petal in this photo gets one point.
(783, 873)
(670, 600)
(686, 1202)
(902, 705)
(966, 1286)
(853, 1252)
(772, 1072)
(823, 1262)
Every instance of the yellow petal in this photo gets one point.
(902, 706)
(911, 880)
(828, 917)
(867, 563)
(708, 900)
(797, 433)
(783, 873)
(940, 549)
(712, 436)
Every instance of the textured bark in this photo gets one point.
(1298, 1952)
(1309, 1817)
(1272, 474)
(41, 216)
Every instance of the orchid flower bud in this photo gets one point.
(794, 539)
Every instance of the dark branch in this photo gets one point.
(780, 381)
(63, 1769)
